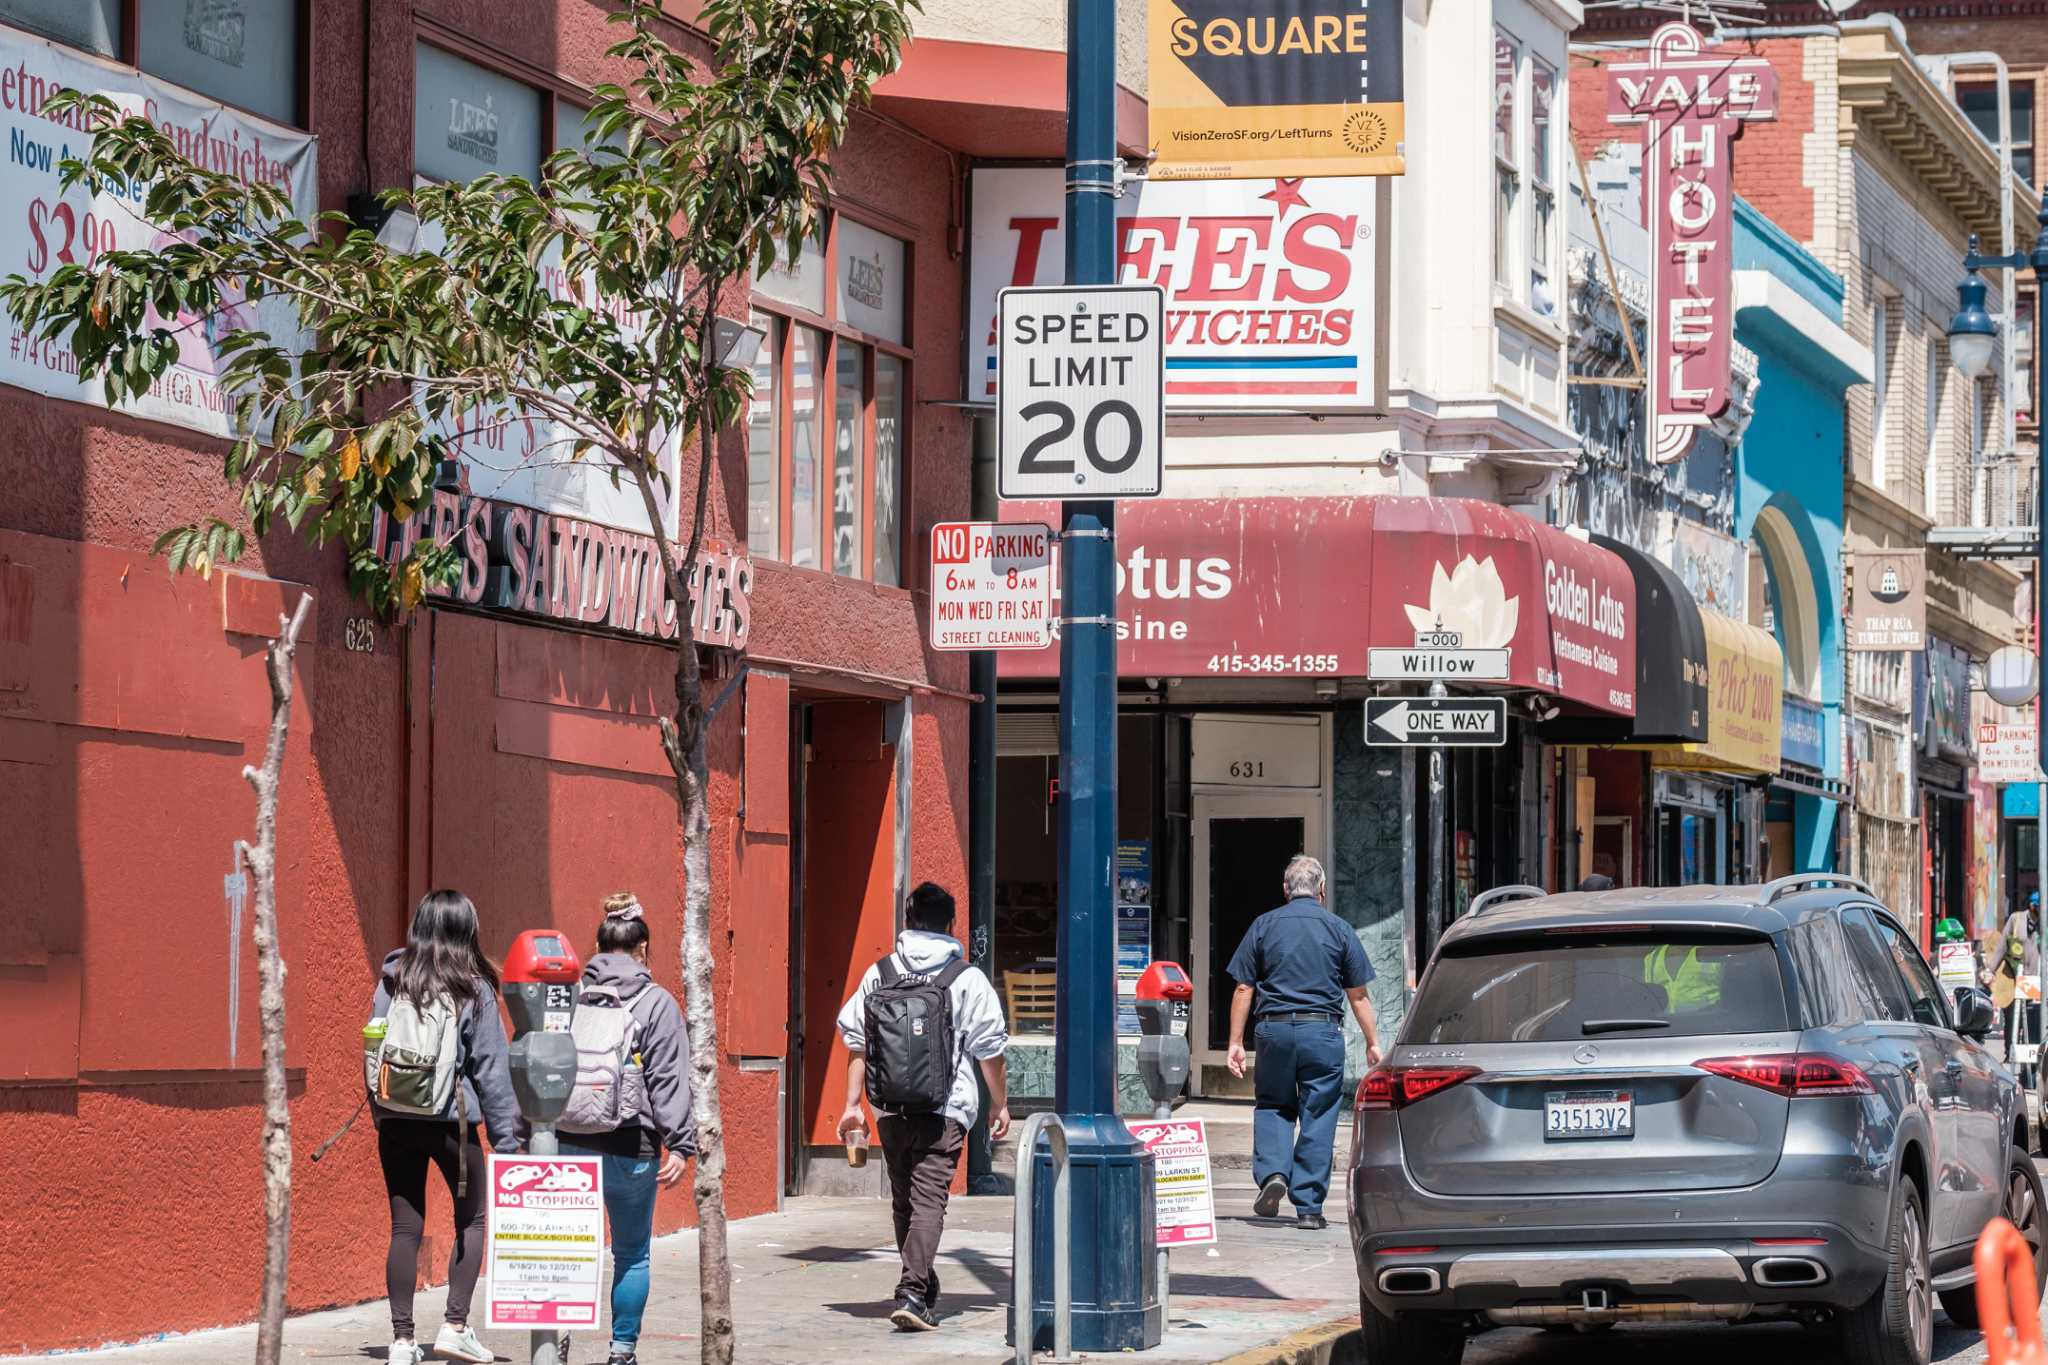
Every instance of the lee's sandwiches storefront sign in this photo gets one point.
(1305, 587)
(1272, 298)
(518, 559)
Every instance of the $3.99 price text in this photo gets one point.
(71, 235)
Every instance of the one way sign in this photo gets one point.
(1402, 721)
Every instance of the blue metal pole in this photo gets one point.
(1114, 1274)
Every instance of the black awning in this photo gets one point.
(1671, 665)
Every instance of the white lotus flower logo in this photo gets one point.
(1472, 601)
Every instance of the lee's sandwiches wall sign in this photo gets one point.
(562, 569)
(1272, 286)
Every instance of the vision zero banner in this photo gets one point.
(42, 228)
(545, 1248)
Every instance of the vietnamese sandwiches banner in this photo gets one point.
(42, 228)
(1273, 298)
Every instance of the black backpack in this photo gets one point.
(909, 1022)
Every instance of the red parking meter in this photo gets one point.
(539, 979)
(1165, 995)
(1174, 993)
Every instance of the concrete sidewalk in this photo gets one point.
(810, 1285)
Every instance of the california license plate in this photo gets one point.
(1588, 1114)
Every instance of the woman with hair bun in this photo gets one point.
(653, 1137)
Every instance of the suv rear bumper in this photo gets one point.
(1615, 1273)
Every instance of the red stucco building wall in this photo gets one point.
(514, 760)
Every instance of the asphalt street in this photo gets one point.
(1762, 1344)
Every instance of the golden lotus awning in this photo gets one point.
(1745, 703)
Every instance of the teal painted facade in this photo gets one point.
(1789, 490)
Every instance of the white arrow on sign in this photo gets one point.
(1457, 720)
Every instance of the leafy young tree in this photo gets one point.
(694, 173)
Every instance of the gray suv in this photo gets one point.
(1703, 1103)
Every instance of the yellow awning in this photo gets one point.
(1745, 703)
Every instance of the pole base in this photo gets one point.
(1115, 1269)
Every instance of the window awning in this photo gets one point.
(1671, 665)
(1313, 587)
(1745, 701)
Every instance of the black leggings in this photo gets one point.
(404, 1147)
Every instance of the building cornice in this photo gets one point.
(1886, 97)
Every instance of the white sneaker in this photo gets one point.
(460, 1343)
(404, 1353)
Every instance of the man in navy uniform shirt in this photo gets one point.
(1296, 970)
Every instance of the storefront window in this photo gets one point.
(1026, 946)
(764, 444)
(887, 522)
(470, 121)
(806, 364)
(1507, 176)
(1542, 187)
(241, 52)
(94, 25)
(842, 503)
(849, 429)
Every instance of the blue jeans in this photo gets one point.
(1298, 1083)
(629, 1191)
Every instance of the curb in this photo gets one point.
(1330, 1343)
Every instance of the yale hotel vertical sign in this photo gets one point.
(1692, 106)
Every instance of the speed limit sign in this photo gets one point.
(1080, 391)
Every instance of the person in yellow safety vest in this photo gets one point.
(1692, 985)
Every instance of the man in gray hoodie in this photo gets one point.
(922, 1150)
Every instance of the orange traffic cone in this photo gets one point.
(2007, 1305)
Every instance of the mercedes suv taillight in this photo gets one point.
(1397, 1087)
(1802, 1075)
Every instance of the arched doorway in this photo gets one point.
(1794, 595)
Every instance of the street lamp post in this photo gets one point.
(1971, 333)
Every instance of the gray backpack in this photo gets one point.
(611, 1083)
(415, 1067)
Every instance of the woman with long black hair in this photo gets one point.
(440, 994)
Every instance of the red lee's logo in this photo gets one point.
(1268, 294)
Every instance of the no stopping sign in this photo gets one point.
(1080, 391)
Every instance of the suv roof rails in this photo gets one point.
(1801, 881)
(1487, 899)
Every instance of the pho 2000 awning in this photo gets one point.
(1745, 701)
(1307, 587)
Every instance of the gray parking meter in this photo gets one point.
(539, 982)
(1164, 997)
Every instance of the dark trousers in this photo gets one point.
(1298, 1083)
(922, 1151)
(405, 1148)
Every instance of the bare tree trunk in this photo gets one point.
(682, 739)
(277, 1117)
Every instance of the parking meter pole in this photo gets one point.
(540, 976)
(1163, 1000)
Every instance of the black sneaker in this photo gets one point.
(911, 1315)
(1311, 1222)
(1267, 1205)
(619, 1357)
